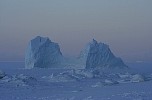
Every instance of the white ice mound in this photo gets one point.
(106, 82)
(137, 78)
(42, 53)
(99, 55)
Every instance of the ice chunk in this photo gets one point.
(42, 53)
(137, 78)
(84, 73)
(110, 82)
(106, 82)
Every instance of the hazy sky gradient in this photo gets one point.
(126, 25)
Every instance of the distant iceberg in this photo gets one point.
(98, 55)
(42, 53)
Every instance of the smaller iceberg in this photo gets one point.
(98, 55)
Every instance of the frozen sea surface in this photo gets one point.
(37, 84)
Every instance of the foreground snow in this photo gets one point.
(67, 84)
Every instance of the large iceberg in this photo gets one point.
(42, 53)
(99, 55)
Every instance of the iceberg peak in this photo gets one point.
(41, 39)
(94, 41)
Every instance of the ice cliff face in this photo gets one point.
(98, 55)
(42, 53)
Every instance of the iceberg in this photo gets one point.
(98, 55)
(42, 53)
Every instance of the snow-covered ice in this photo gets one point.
(137, 78)
(77, 84)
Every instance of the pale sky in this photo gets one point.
(125, 25)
